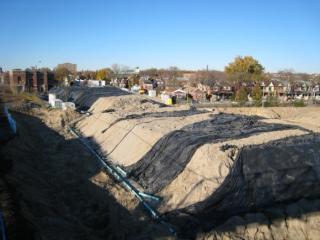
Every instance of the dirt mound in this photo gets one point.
(298, 220)
(276, 172)
(178, 153)
(306, 117)
(170, 155)
(188, 157)
(252, 111)
(125, 104)
(208, 168)
(125, 139)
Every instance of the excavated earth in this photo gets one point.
(223, 173)
(209, 165)
(55, 189)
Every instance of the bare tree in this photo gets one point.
(173, 74)
(116, 69)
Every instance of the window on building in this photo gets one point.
(19, 80)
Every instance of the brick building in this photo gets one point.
(29, 80)
(4, 77)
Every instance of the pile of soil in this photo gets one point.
(150, 145)
(125, 104)
(212, 168)
(279, 172)
(170, 155)
(208, 168)
(188, 158)
(296, 220)
(125, 140)
(306, 117)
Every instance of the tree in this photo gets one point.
(316, 80)
(209, 78)
(151, 72)
(256, 93)
(244, 69)
(173, 74)
(116, 69)
(87, 74)
(61, 73)
(134, 80)
(304, 76)
(287, 75)
(242, 95)
(103, 74)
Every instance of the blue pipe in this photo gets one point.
(150, 196)
(119, 176)
(123, 172)
(11, 121)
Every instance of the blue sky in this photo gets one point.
(189, 34)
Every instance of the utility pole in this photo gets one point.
(174, 77)
(207, 72)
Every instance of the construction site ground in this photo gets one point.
(223, 173)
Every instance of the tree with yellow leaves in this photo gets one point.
(244, 69)
(103, 74)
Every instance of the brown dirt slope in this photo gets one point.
(54, 181)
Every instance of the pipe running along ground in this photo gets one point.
(120, 176)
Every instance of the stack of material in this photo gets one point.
(68, 105)
(85, 97)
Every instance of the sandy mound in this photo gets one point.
(298, 220)
(208, 168)
(188, 157)
(265, 175)
(252, 111)
(178, 152)
(125, 104)
(307, 117)
(125, 140)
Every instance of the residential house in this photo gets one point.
(302, 87)
(275, 88)
(204, 88)
(197, 94)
